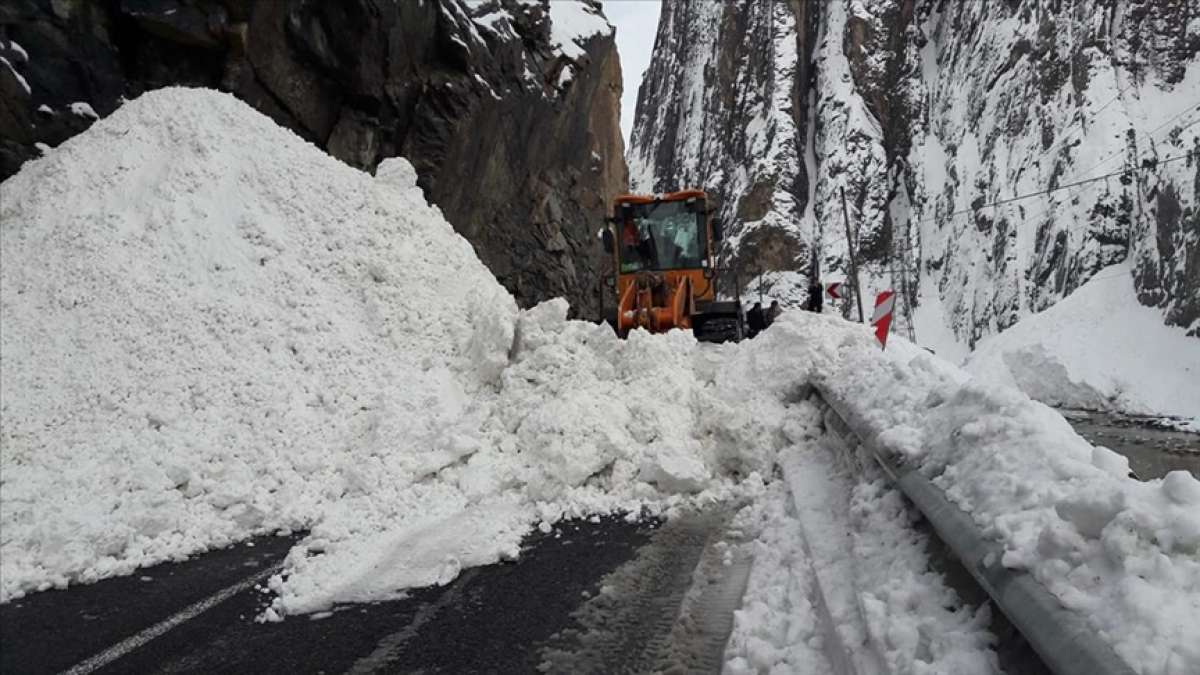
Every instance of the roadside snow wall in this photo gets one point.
(1124, 554)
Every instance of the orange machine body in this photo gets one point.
(661, 298)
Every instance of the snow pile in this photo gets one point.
(1097, 348)
(1123, 553)
(214, 330)
(582, 423)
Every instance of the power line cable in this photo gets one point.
(1149, 134)
(1048, 191)
(1059, 143)
(1073, 184)
(1081, 182)
(1132, 169)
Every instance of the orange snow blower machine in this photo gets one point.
(664, 272)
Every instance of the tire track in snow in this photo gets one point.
(817, 497)
(885, 602)
(670, 608)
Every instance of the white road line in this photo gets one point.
(192, 611)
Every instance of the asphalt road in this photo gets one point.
(544, 610)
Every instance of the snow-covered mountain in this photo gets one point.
(994, 156)
(508, 109)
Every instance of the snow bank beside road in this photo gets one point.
(1098, 348)
(211, 329)
(1124, 553)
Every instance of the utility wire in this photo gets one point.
(1076, 183)
(1039, 193)
(1060, 142)
(1149, 134)
(1084, 227)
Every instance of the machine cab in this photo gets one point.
(666, 234)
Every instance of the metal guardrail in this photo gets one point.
(1064, 641)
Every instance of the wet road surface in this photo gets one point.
(544, 611)
(1152, 451)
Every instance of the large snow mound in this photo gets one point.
(1097, 348)
(212, 328)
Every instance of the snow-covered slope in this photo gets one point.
(980, 146)
(1033, 99)
(1097, 348)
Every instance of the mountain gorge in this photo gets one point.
(508, 109)
(993, 156)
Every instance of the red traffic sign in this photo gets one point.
(885, 302)
(834, 289)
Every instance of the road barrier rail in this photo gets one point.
(1062, 638)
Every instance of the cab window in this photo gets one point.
(662, 236)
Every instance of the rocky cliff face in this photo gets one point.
(994, 156)
(508, 109)
(722, 107)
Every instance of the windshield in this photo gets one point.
(662, 236)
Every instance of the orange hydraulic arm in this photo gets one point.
(637, 307)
